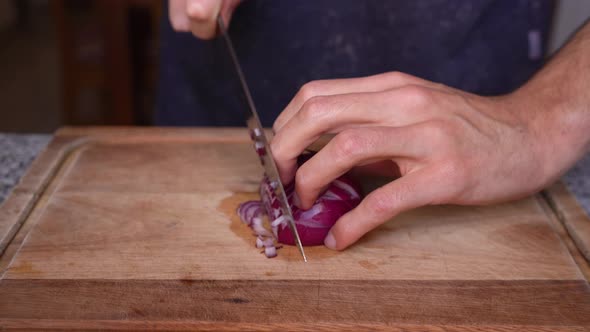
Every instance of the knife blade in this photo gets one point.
(261, 142)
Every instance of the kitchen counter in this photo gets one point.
(18, 151)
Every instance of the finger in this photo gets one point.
(352, 147)
(178, 16)
(203, 17)
(375, 83)
(332, 114)
(227, 10)
(412, 190)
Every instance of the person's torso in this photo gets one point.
(487, 47)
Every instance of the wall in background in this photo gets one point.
(31, 101)
(7, 14)
(569, 16)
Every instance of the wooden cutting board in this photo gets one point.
(136, 229)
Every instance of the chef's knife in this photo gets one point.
(260, 142)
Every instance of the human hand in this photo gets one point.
(449, 146)
(200, 16)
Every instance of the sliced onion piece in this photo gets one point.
(270, 252)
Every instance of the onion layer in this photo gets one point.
(312, 225)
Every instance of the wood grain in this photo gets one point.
(136, 229)
(192, 325)
(572, 215)
(154, 208)
(528, 302)
(17, 207)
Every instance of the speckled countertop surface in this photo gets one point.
(18, 151)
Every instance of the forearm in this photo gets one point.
(557, 100)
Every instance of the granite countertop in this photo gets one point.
(17, 152)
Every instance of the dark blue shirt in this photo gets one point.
(488, 47)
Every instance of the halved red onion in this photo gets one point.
(312, 225)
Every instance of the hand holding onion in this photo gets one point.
(200, 16)
(449, 146)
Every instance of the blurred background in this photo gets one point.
(77, 62)
(84, 62)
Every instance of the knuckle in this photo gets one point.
(380, 202)
(276, 148)
(398, 77)
(349, 144)
(310, 90)
(314, 108)
(417, 95)
(302, 179)
(456, 174)
(277, 124)
(202, 12)
(441, 86)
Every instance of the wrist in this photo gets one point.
(559, 129)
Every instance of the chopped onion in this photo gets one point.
(270, 252)
(312, 225)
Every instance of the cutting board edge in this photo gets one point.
(160, 134)
(571, 215)
(32, 185)
(538, 303)
(199, 325)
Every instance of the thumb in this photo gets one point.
(203, 17)
(410, 191)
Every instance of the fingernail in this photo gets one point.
(296, 200)
(330, 241)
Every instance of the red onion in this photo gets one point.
(312, 225)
